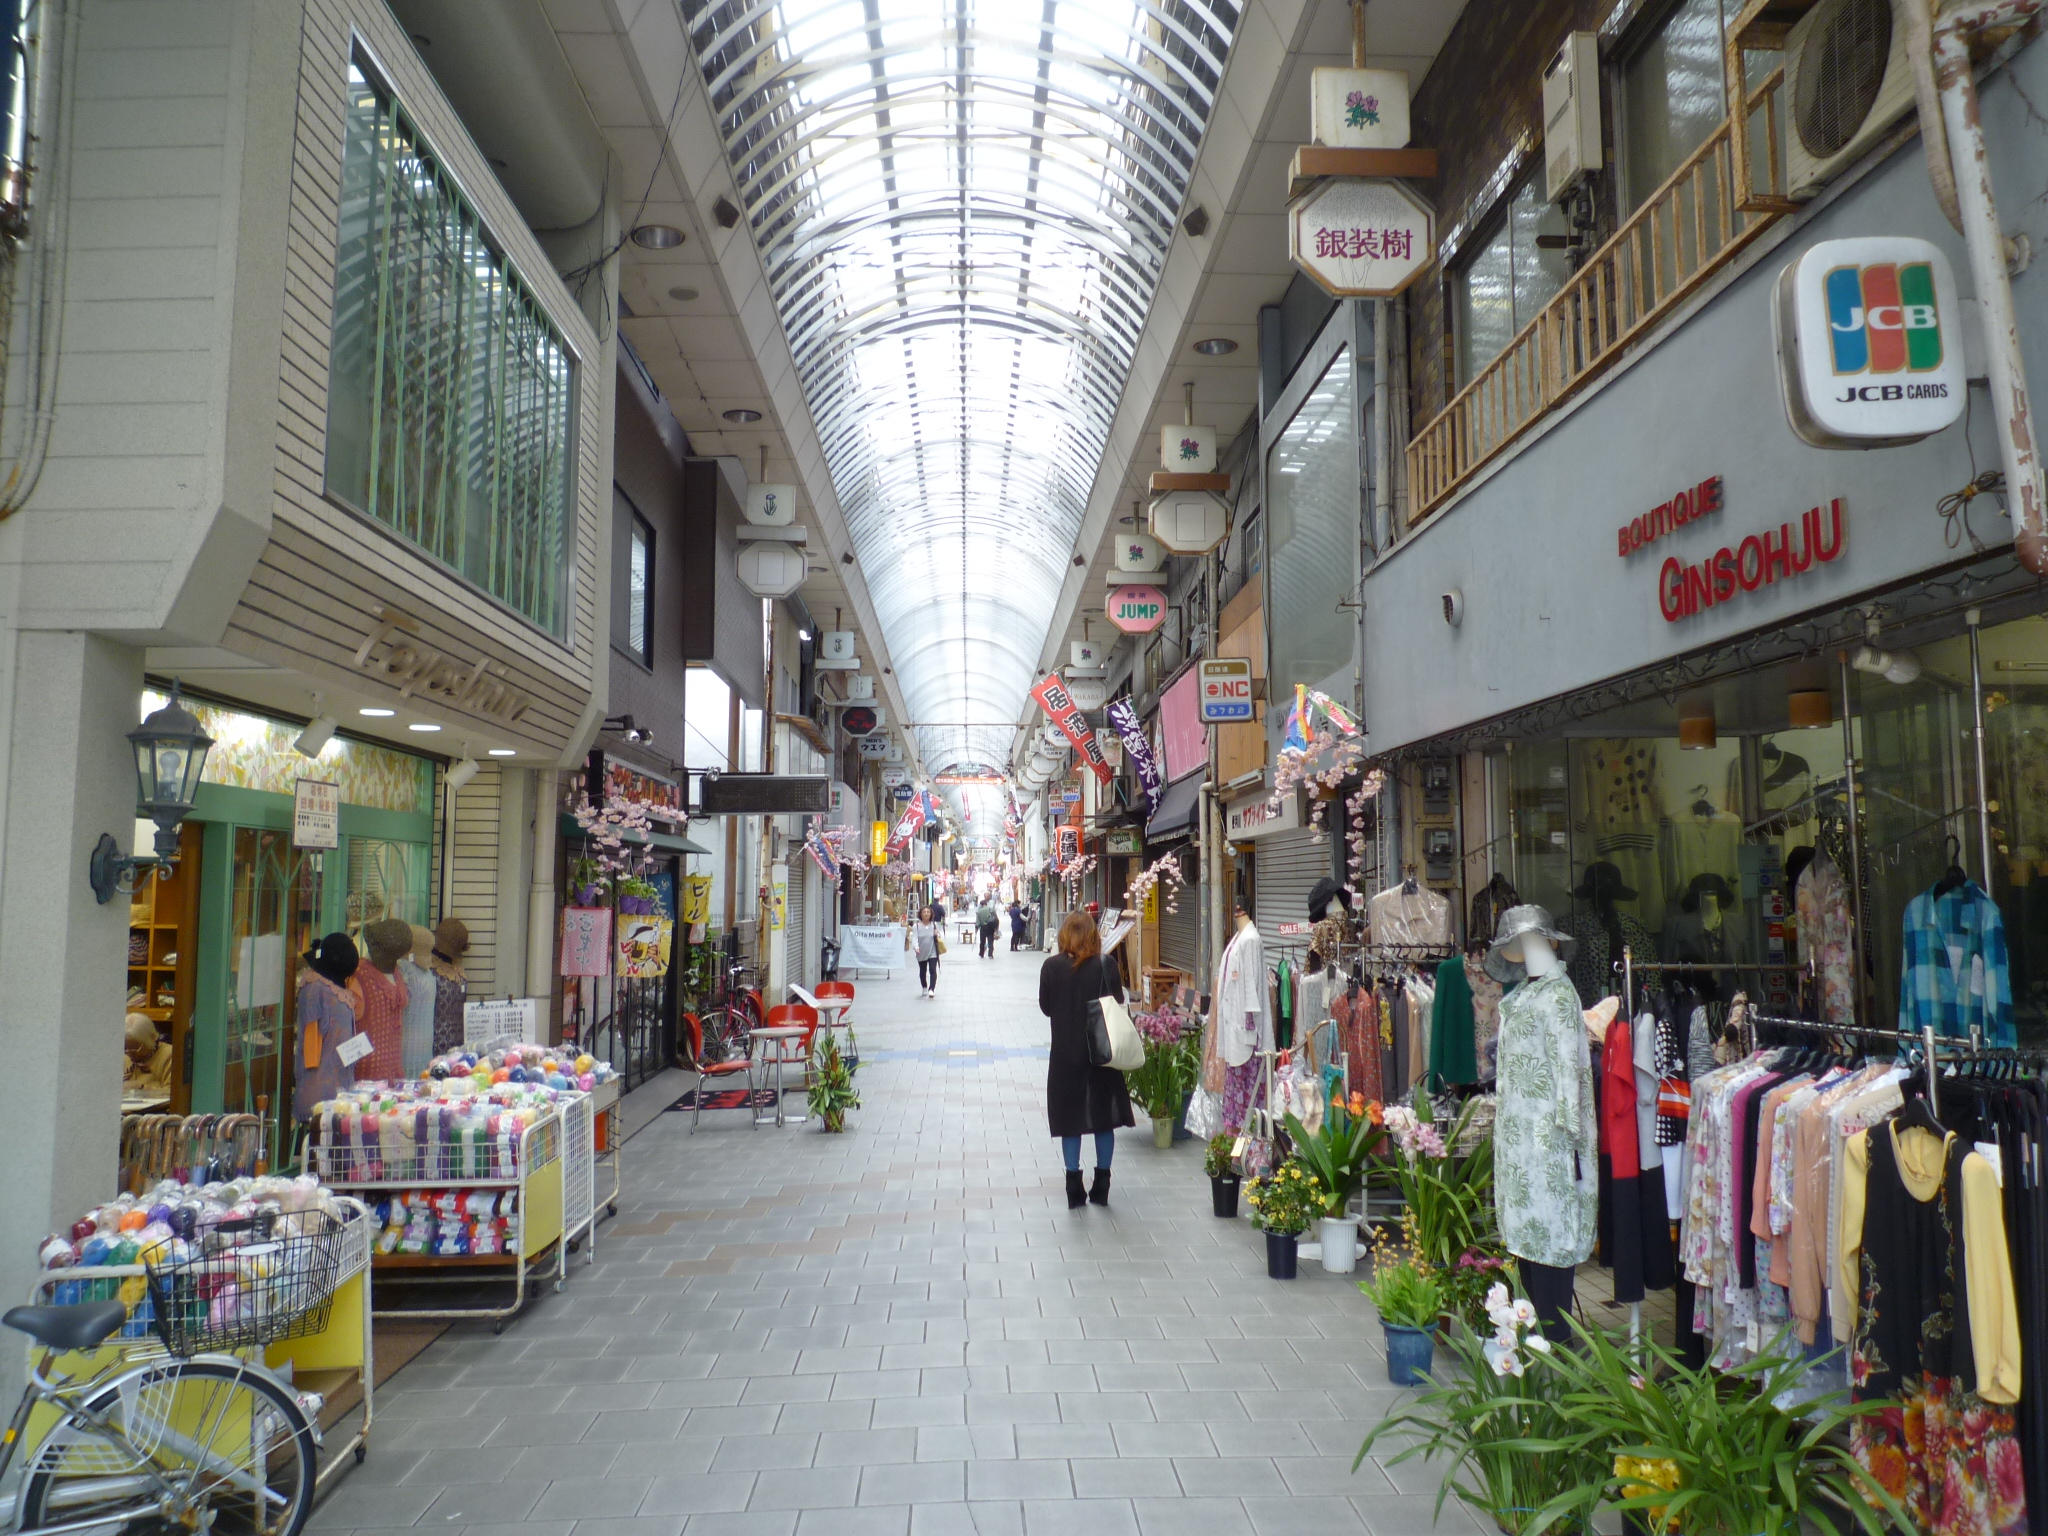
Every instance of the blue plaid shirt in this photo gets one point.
(1955, 973)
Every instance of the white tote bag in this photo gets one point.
(1126, 1045)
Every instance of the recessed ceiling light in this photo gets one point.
(1216, 346)
(682, 295)
(377, 713)
(504, 752)
(421, 725)
(742, 417)
(657, 237)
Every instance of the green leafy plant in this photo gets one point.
(1286, 1200)
(1705, 1450)
(1169, 1071)
(699, 972)
(1338, 1152)
(1494, 1418)
(832, 1092)
(1448, 1194)
(1217, 1161)
(1404, 1294)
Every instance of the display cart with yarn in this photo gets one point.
(548, 1177)
(332, 1360)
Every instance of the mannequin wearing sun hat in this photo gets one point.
(451, 986)
(384, 997)
(417, 1036)
(1546, 1129)
(326, 1016)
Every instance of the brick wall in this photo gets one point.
(1481, 108)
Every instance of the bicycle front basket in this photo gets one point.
(256, 1281)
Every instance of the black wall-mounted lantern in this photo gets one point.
(170, 754)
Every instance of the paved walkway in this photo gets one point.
(902, 1331)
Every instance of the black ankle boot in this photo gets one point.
(1098, 1192)
(1077, 1196)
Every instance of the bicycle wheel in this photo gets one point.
(725, 1036)
(231, 1443)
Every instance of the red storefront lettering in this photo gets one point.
(1757, 560)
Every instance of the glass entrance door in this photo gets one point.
(274, 910)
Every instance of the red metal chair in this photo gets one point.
(706, 1074)
(791, 1053)
(843, 989)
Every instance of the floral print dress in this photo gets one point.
(1546, 1131)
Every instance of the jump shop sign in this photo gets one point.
(1793, 548)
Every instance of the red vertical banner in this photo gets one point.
(1059, 707)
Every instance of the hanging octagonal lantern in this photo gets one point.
(1138, 554)
(1189, 522)
(770, 569)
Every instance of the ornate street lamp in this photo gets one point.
(170, 754)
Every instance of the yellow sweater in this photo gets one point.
(1994, 1316)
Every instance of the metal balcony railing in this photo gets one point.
(1696, 223)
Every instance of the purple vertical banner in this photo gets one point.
(1123, 716)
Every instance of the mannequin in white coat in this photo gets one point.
(1242, 1022)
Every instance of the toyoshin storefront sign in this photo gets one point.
(1777, 554)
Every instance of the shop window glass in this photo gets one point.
(640, 591)
(385, 879)
(451, 401)
(1313, 509)
(1502, 285)
(1671, 95)
(1532, 822)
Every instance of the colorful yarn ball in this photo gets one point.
(586, 1081)
(501, 1076)
(584, 1064)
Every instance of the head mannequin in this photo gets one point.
(388, 941)
(1239, 918)
(1534, 953)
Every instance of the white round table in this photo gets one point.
(776, 1035)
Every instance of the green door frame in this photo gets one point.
(220, 809)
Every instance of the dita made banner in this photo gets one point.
(1060, 708)
(1123, 715)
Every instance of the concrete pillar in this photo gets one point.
(68, 776)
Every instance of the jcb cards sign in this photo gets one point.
(1870, 342)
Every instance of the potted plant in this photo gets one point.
(1494, 1420)
(1173, 1061)
(832, 1092)
(1688, 1450)
(638, 897)
(1448, 1197)
(1339, 1152)
(1283, 1204)
(1408, 1300)
(1222, 1170)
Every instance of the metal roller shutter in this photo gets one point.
(1180, 932)
(797, 932)
(1289, 865)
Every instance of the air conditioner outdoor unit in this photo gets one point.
(1571, 114)
(1847, 81)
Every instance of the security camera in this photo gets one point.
(1454, 607)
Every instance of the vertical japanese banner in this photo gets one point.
(586, 941)
(1060, 708)
(1123, 715)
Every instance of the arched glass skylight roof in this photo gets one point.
(963, 207)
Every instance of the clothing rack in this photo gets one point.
(1629, 966)
(1936, 1047)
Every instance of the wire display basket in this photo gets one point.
(266, 1280)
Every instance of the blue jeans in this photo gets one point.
(1105, 1149)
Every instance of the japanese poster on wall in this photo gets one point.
(644, 944)
(586, 941)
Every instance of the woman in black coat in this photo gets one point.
(1081, 1098)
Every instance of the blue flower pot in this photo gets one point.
(1282, 1259)
(1409, 1353)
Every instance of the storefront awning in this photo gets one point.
(1177, 809)
(667, 842)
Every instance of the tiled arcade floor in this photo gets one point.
(902, 1331)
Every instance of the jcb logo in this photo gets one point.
(1883, 319)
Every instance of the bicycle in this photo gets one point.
(729, 1024)
(210, 1444)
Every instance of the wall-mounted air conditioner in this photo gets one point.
(1571, 114)
(1847, 81)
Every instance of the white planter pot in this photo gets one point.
(1340, 1244)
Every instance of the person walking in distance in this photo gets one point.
(926, 941)
(986, 921)
(1020, 919)
(1081, 1099)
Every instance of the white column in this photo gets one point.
(68, 776)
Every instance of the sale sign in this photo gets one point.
(1060, 708)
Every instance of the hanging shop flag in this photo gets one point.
(821, 855)
(644, 944)
(1123, 715)
(1060, 708)
(1311, 712)
(696, 902)
(586, 941)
